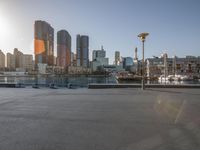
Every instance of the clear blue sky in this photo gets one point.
(174, 25)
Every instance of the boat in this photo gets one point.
(183, 78)
(176, 77)
(186, 78)
(170, 77)
(162, 78)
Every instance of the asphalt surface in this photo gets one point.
(103, 119)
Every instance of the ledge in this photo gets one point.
(104, 86)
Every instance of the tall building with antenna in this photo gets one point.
(135, 56)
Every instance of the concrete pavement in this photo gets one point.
(103, 119)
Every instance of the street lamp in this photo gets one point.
(142, 37)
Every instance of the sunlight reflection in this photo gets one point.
(169, 108)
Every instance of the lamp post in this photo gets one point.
(142, 37)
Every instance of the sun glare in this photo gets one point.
(4, 27)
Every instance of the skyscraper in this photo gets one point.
(43, 43)
(117, 57)
(82, 50)
(63, 48)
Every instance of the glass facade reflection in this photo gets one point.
(82, 50)
(63, 48)
(43, 43)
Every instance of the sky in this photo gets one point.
(173, 25)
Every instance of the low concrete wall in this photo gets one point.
(103, 86)
(9, 85)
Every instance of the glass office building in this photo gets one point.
(63, 48)
(43, 43)
(82, 50)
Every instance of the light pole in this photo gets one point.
(142, 37)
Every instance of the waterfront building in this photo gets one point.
(63, 48)
(2, 60)
(111, 68)
(21, 61)
(77, 70)
(27, 62)
(42, 68)
(59, 70)
(43, 43)
(98, 53)
(98, 59)
(157, 66)
(73, 59)
(127, 61)
(82, 50)
(55, 61)
(117, 57)
(10, 61)
(18, 56)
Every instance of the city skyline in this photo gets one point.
(173, 26)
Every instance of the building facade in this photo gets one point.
(10, 61)
(63, 48)
(43, 43)
(190, 65)
(18, 56)
(78, 70)
(99, 59)
(73, 59)
(19, 61)
(2, 60)
(82, 50)
(127, 61)
(98, 54)
(117, 58)
(27, 62)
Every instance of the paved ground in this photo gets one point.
(106, 119)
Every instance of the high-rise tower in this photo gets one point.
(117, 57)
(63, 48)
(82, 50)
(43, 43)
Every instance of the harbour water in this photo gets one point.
(78, 80)
(62, 81)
